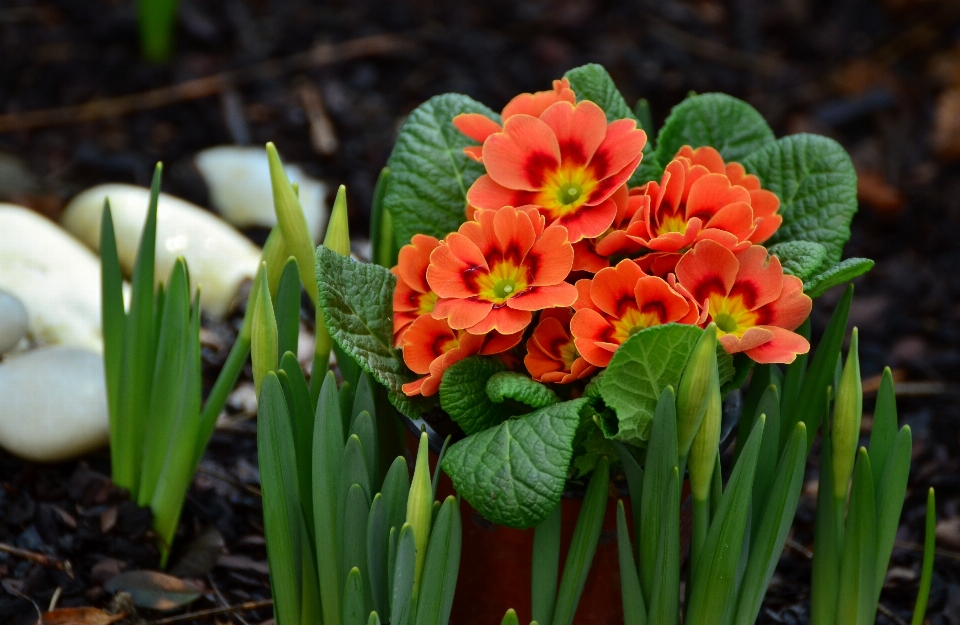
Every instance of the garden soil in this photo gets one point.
(880, 76)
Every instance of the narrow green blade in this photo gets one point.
(354, 545)
(278, 477)
(929, 550)
(773, 523)
(327, 461)
(287, 307)
(546, 566)
(715, 571)
(365, 431)
(263, 337)
(137, 358)
(439, 581)
(403, 576)
(884, 431)
(510, 618)
(354, 473)
(363, 398)
(302, 421)
(634, 609)
(396, 488)
(890, 494)
(378, 547)
(769, 452)
(381, 225)
(665, 595)
(438, 470)
(825, 577)
(113, 317)
(809, 400)
(859, 556)
(661, 460)
(793, 379)
(583, 545)
(354, 612)
(634, 475)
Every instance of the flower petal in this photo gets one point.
(579, 129)
(426, 340)
(590, 330)
(453, 266)
(486, 193)
(783, 348)
(613, 289)
(413, 260)
(654, 295)
(514, 234)
(751, 339)
(759, 279)
(540, 297)
(790, 309)
(503, 319)
(521, 156)
(476, 126)
(589, 220)
(707, 268)
(536, 103)
(461, 313)
(550, 259)
(621, 147)
(712, 192)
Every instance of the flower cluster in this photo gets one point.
(557, 249)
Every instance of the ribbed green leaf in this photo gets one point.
(378, 547)
(889, 497)
(715, 571)
(287, 307)
(403, 577)
(463, 394)
(327, 463)
(665, 592)
(857, 604)
(546, 566)
(583, 545)
(442, 565)
(660, 465)
(521, 388)
(840, 273)
(799, 258)
(772, 525)
(113, 317)
(634, 608)
(281, 508)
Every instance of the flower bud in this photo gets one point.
(292, 223)
(703, 451)
(847, 411)
(337, 237)
(420, 508)
(263, 346)
(693, 391)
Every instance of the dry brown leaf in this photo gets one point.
(874, 190)
(946, 125)
(154, 590)
(80, 616)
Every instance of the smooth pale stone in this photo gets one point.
(219, 257)
(239, 182)
(53, 404)
(55, 276)
(14, 321)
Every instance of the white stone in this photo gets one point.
(55, 277)
(53, 404)
(14, 322)
(239, 182)
(218, 256)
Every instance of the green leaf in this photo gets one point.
(519, 387)
(442, 565)
(634, 610)
(842, 272)
(510, 618)
(827, 540)
(592, 82)
(773, 521)
(113, 317)
(382, 248)
(715, 573)
(817, 186)
(353, 604)
(929, 551)
(857, 604)
(514, 474)
(378, 547)
(364, 430)
(799, 258)
(281, 512)
(769, 449)
(463, 394)
(665, 594)
(583, 545)
(730, 125)
(327, 463)
(403, 576)
(287, 307)
(429, 173)
(396, 488)
(357, 302)
(545, 570)
(302, 416)
(353, 547)
(263, 350)
(890, 493)
(642, 367)
(884, 431)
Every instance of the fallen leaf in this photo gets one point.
(243, 563)
(200, 556)
(154, 590)
(108, 520)
(80, 616)
(946, 125)
(874, 190)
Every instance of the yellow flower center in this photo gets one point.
(504, 281)
(566, 189)
(672, 223)
(632, 322)
(569, 355)
(731, 315)
(426, 303)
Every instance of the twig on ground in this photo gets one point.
(890, 614)
(253, 490)
(323, 54)
(40, 558)
(222, 601)
(249, 605)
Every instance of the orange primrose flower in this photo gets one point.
(755, 306)
(412, 297)
(492, 272)
(552, 355)
(594, 254)
(430, 347)
(699, 198)
(568, 162)
(618, 302)
(478, 127)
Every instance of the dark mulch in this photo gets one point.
(869, 73)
